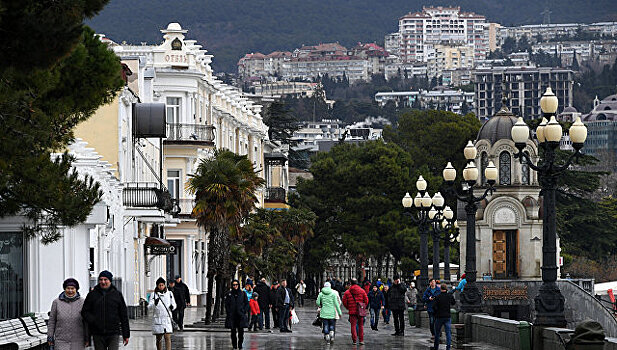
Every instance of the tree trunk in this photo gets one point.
(396, 266)
(211, 274)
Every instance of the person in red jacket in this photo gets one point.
(255, 312)
(354, 295)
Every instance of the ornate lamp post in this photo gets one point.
(470, 297)
(549, 302)
(424, 205)
(449, 227)
(435, 218)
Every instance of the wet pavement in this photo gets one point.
(304, 336)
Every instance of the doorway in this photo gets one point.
(174, 259)
(505, 254)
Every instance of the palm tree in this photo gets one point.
(224, 187)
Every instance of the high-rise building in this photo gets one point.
(522, 86)
(420, 31)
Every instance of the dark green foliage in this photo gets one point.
(281, 123)
(55, 74)
(229, 29)
(589, 84)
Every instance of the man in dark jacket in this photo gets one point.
(284, 303)
(183, 299)
(429, 296)
(264, 302)
(275, 311)
(441, 307)
(105, 312)
(396, 302)
(376, 302)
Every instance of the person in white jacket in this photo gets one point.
(163, 303)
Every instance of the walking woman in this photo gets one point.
(163, 303)
(66, 329)
(237, 306)
(330, 308)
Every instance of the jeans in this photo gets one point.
(265, 315)
(178, 315)
(328, 325)
(284, 317)
(399, 320)
(374, 317)
(106, 342)
(302, 300)
(357, 321)
(386, 315)
(431, 320)
(275, 317)
(236, 342)
(447, 323)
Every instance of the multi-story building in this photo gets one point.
(456, 101)
(494, 36)
(420, 31)
(352, 68)
(392, 42)
(456, 77)
(522, 86)
(395, 68)
(280, 89)
(448, 57)
(550, 31)
(601, 125)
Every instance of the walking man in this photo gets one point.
(183, 299)
(429, 298)
(273, 301)
(264, 302)
(376, 303)
(301, 289)
(105, 312)
(441, 306)
(396, 300)
(352, 299)
(284, 302)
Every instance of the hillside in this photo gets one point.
(230, 28)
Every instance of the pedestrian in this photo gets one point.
(386, 310)
(441, 306)
(255, 312)
(275, 310)
(183, 300)
(105, 313)
(236, 306)
(411, 296)
(461, 284)
(301, 289)
(353, 298)
(163, 303)
(66, 329)
(376, 303)
(329, 309)
(264, 303)
(284, 303)
(248, 290)
(429, 299)
(367, 286)
(396, 303)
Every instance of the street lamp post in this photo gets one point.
(449, 227)
(471, 299)
(424, 204)
(549, 303)
(435, 218)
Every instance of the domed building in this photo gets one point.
(508, 223)
(601, 125)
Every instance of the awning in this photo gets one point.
(155, 241)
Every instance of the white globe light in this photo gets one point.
(407, 201)
(472, 172)
(432, 213)
(549, 102)
(449, 173)
(438, 200)
(578, 131)
(491, 171)
(417, 201)
(448, 213)
(470, 151)
(540, 130)
(553, 130)
(520, 131)
(426, 201)
(421, 184)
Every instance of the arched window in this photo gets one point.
(525, 179)
(483, 165)
(505, 168)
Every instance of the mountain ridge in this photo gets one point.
(229, 29)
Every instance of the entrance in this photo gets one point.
(11, 275)
(174, 259)
(505, 254)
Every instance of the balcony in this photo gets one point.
(186, 206)
(192, 133)
(147, 195)
(275, 195)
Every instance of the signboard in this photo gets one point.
(504, 293)
(160, 249)
(561, 261)
(416, 273)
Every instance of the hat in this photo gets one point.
(70, 282)
(327, 285)
(177, 276)
(396, 277)
(463, 276)
(255, 295)
(160, 280)
(275, 282)
(106, 274)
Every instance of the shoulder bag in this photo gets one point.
(361, 306)
(174, 325)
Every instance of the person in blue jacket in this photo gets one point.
(429, 299)
(376, 302)
(461, 284)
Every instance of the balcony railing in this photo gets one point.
(275, 194)
(190, 132)
(186, 206)
(147, 195)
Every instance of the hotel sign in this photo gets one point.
(175, 58)
(504, 293)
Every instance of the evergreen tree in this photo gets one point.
(55, 73)
(281, 123)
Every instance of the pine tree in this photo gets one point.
(55, 73)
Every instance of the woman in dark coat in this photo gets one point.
(237, 306)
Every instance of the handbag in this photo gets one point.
(317, 321)
(361, 306)
(174, 325)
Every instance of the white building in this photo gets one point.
(443, 99)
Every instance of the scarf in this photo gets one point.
(66, 298)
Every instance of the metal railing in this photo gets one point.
(147, 195)
(275, 194)
(190, 132)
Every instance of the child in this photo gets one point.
(255, 312)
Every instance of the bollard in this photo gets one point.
(524, 333)
(454, 316)
(412, 316)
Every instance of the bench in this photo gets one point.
(41, 325)
(13, 336)
(31, 328)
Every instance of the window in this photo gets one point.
(11, 275)
(505, 168)
(173, 110)
(525, 179)
(483, 166)
(173, 183)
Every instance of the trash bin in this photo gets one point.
(524, 333)
(454, 316)
(588, 335)
(412, 316)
